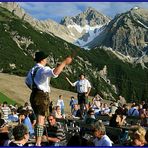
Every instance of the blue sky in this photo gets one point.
(56, 11)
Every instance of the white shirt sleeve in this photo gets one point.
(49, 72)
(88, 84)
(75, 83)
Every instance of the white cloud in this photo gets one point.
(55, 11)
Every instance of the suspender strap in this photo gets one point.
(33, 76)
(133, 111)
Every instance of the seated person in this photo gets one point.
(139, 137)
(4, 133)
(13, 116)
(55, 133)
(144, 116)
(125, 109)
(32, 117)
(90, 118)
(76, 112)
(113, 108)
(24, 119)
(58, 113)
(101, 139)
(1, 113)
(26, 106)
(105, 110)
(117, 119)
(21, 135)
(133, 111)
(96, 104)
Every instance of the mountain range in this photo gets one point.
(116, 62)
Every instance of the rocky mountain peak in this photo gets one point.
(89, 17)
(16, 10)
(126, 33)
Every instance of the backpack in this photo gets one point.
(30, 79)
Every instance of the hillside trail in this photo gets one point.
(14, 87)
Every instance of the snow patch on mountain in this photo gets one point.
(142, 24)
(90, 32)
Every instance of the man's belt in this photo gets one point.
(38, 90)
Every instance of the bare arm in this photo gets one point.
(69, 82)
(89, 89)
(60, 67)
(33, 124)
(53, 139)
(120, 120)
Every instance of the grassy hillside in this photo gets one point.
(5, 98)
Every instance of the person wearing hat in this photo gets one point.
(39, 98)
(83, 87)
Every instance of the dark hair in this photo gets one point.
(60, 96)
(2, 123)
(90, 111)
(5, 102)
(24, 112)
(26, 104)
(119, 111)
(81, 74)
(57, 107)
(14, 110)
(40, 55)
(145, 106)
(19, 131)
(53, 115)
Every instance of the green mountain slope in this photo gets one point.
(131, 81)
(19, 41)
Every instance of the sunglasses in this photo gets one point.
(50, 119)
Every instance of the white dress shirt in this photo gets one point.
(82, 85)
(104, 141)
(41, 78)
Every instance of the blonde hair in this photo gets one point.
(141, 131)
(140, 134)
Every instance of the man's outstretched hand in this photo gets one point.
(68, 60)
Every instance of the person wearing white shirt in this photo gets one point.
(60, 103)
(39, 98)
(83, 88)
(101, 139)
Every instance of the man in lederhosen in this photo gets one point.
(39, 98)
(83, 87)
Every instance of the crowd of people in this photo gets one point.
(41, 122)
(55, 133)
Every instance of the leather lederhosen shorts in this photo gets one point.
(82, 99)
(40, 102)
